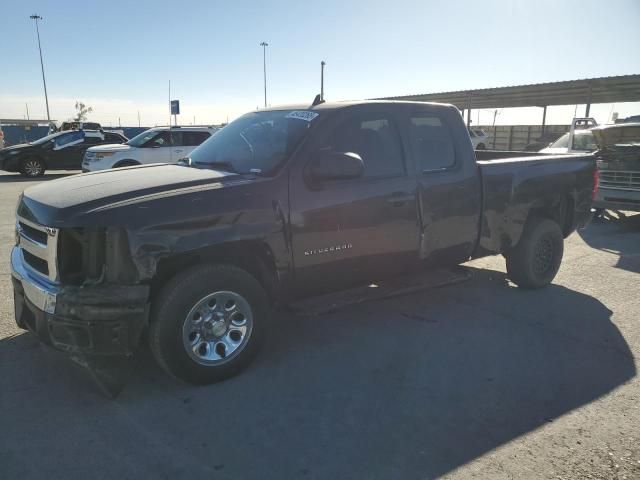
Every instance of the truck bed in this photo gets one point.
(513, 188)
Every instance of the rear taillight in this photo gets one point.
(596, 183)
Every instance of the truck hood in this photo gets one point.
(111, 147)
(57, 203)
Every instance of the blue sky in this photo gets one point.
(119, 56)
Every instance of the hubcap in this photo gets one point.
(217, 328)
(32, 168)
(543, 255)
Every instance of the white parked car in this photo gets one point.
(156, 145)
(579, 139)
(479, 138)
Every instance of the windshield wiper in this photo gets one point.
(224, 166)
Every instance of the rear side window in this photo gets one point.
(91, 140)
(431, 142)
(375, 138)
(113, 138)
(193, 139)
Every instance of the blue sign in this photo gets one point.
(175, 107)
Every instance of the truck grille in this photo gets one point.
(39, 247)
(620, 180)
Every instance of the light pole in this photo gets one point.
(264, 46)
(322, 64)
(44, 82)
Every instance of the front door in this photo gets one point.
(347, 232)
(157, 149)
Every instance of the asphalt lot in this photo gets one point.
(474, 380)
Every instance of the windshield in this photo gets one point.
(255, 143)
(582, 140)
(562, 142)
(144, 137)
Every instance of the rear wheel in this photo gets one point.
(535, 261)
(208, 323)
(32, 167)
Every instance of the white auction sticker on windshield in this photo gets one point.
(305, 115)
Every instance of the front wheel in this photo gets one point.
(535, 261)
(32, 167)
(208, 323)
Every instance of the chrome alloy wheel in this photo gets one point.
(32, 168)
(217, 328)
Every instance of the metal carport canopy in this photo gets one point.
(624, 88)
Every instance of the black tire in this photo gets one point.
(535, 261)
(32, 167)
(175, 302)
(126, 163)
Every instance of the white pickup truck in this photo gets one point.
(579, 138)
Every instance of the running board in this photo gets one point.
(394, 287)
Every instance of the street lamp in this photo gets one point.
(264, 46)
(322, 64)
(44, 82)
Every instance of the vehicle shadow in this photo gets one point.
(17, 178)
(616, 232)
(410, 387)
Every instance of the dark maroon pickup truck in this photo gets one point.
(280, 204)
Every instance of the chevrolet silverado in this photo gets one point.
(281, 204)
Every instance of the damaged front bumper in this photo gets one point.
(95, 319)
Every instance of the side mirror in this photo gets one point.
(337, 166)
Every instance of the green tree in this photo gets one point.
(82, 111)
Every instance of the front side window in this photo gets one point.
(176, 138)
(256, 142)
(148, 138)
(431, 142)
(68, 139)
(375, 139)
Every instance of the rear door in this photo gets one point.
(448, 185)
(67, 151)
(345, 232)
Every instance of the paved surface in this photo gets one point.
(475, 380)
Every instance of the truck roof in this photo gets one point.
(350, 103)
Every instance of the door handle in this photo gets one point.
(398, 199)
(178, 151)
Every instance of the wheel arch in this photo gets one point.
(253, 256)
(560, 211)
(126, 162)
